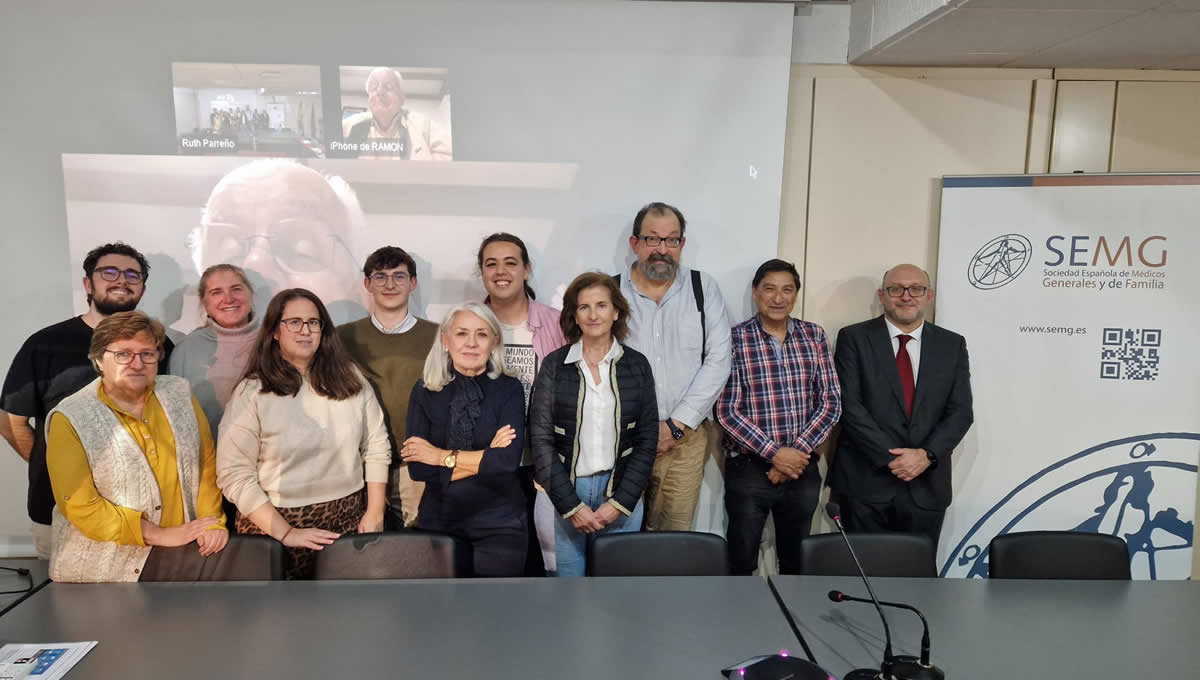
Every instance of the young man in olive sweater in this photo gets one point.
(391, 344)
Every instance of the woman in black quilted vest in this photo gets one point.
(593, 421)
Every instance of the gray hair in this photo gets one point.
(437, 364)
(356, 221)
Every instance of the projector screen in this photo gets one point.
(567, 117)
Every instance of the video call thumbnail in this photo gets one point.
(248, 109)
(393, 112)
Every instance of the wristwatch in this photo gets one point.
(676, 431)
(933, 459)
(450, 459)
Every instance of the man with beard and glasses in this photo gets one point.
(678, 320)
(53, 364)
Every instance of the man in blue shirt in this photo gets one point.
(678, 320)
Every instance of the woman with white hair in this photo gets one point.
(466, 427)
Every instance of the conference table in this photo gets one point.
(1008, 629)
(39, 574)
(526, 629)
(584, 629)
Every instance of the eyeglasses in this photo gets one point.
(112, 274)
(380, 279)
(388, 87)
(124, 357)
(898, 291)
(297, 245)
(653, 241)
(295, 324)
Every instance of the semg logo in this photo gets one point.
(1079, 252)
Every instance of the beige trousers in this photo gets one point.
(674, 487)
(405, 493)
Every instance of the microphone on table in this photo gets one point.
(886, 669)
(906, 667)
(780, 666)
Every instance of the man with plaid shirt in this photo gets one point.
(781, 401)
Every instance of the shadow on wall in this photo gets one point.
(166, 277)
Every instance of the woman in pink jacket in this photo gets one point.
(531, 331)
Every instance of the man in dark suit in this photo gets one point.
(906, 403)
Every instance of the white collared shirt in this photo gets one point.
(913, 347)
(402, 327)
(597, 429)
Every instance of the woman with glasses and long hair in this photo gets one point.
(131, 462)
(301, 436)
(466, 431)
(530, 331)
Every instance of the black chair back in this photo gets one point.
(394, 554)
(244, 558)
(1071, 555)
(881, 554)
(658, 553)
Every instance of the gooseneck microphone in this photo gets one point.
(886, 668)
(906, 667)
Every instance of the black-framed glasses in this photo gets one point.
(654, 241)
(111, 274)
(898, 291)
(295, 324)
(380, 279)
(124, 357)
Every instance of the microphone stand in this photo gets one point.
(886, 669)
(906, 667)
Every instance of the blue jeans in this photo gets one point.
(569, 544)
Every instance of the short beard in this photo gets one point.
(659, 271)
(109, 308)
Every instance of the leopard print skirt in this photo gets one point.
(340, 516)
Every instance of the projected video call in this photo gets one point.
(248, 109)
(395, 113)
(385, 112)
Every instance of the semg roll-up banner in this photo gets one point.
(1078, 299)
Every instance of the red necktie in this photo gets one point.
(904, 366)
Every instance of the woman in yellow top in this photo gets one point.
(131, 462)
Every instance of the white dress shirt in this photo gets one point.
(913, 347)
(597, 432)
(402, 327)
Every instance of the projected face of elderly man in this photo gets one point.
(287, 224)
(385, 97)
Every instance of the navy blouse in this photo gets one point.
(491, 499)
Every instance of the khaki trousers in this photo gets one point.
(405, 493)
(674, 487)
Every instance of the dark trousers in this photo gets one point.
(534, 564)
(497, 553)
(898, 514)
(750, 496)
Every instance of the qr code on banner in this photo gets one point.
(1130, 353)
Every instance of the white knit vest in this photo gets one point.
(123, 477)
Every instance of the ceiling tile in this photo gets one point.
(1066, 4)
(1149, 37)
(971, 30)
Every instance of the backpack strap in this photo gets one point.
(698, 293)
